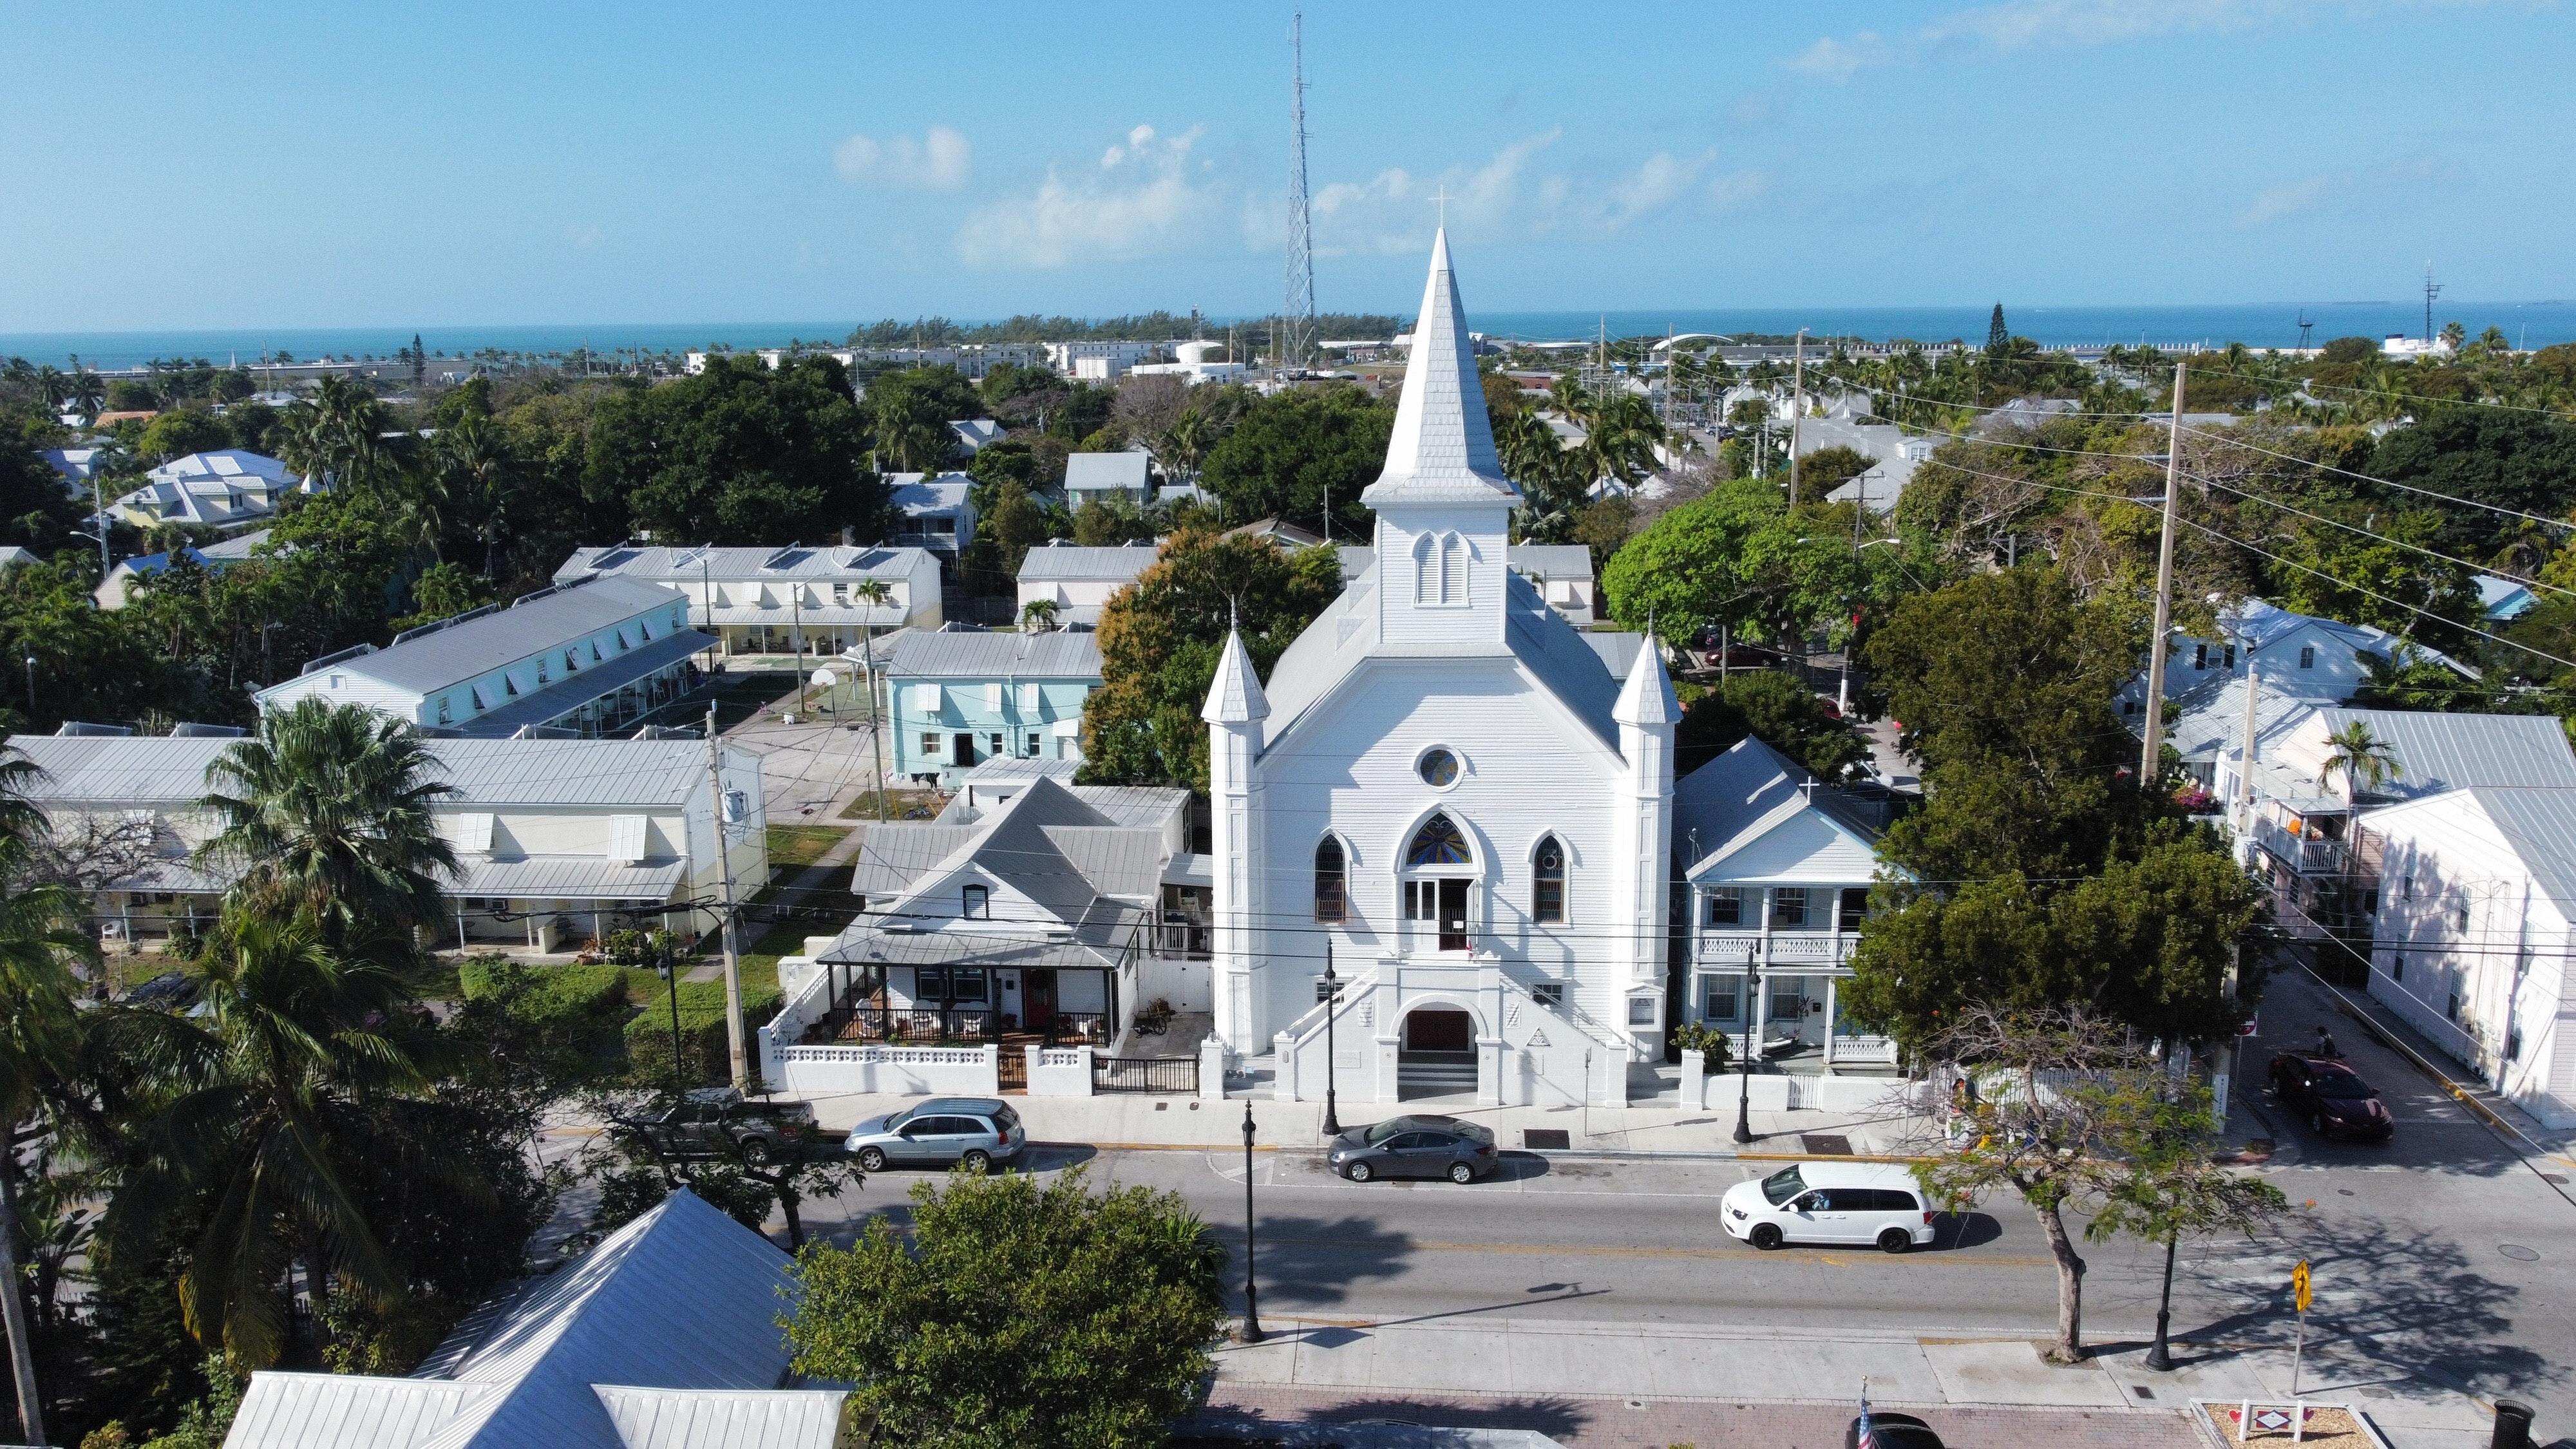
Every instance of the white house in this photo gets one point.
(594, 658)
(1445, 788)
(790, 600)
(556, 837)
(1103, 475)
(1779, 869)
(1078, 581)
(221, 489)
(1097, 361)
(933, 514)
(973, 434)
(78, 467)
(2301, 656)
(113, 591)
(1028, 912)
(2504, 600)
(2472, 930)
(665, 1336)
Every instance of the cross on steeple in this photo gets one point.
(1441, 199)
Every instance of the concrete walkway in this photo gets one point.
(1566, 1375)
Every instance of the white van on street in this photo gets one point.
(1830, 1202)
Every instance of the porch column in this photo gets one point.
(1833, 1020)
(460, 926)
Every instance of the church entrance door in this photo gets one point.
(1453, 916)
(1436, 1056)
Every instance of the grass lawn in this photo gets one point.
(800, 845)
(900, 805)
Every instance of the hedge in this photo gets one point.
(549, 990)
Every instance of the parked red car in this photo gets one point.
(2338, 1103)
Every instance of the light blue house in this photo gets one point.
(958, 697)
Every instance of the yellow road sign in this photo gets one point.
(2299, 1285)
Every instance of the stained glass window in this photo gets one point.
(1438, 842)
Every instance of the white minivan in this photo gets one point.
(1830, 1202)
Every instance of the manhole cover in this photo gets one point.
(1546, 1139)
(2554, 1179)
(2518, 1252)
(1825, 1144)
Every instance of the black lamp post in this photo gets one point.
(31, 691)
(1332, 999)
(1251, 1302)
(2159, 1357)
(1744, 1076)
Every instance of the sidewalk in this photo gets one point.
(1139, 1121)
(1590, 1383)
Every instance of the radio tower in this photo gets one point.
(2306, 328)
(1296, 338)
(2432, 289)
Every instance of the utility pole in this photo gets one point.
(724, 873)
(2245, 761)
(1797, 409)
(2432, 289)
(1851, 626)
(2151, 765)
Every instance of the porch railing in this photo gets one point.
(1722, 948)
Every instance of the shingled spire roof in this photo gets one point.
(1443, 447)
(1235, 697)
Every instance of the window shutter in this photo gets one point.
(626, 839)
(474, 832)
(925, 698)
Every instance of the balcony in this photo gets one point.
(2305, 855)
(1720, 948)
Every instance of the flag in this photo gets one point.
(1864, 1434)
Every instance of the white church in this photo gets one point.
(1460, 797)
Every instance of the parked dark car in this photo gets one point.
(1892, 1431)
(2338, 1103)
(719, 1122)
(1415, 1147)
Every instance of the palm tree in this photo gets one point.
(54, 388)
(255, 1125)
(2356, 756)
(1038, 614)
(474, 457)
(42, 934)
(325, 812)
(88, 396)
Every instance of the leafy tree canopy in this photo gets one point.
(1293, 450)
(1774, 708)
(741, 454)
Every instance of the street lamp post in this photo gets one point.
(1744, 1075)
(2160, 1357)
(1332, 998)
(1251, 1302)
(31, 691)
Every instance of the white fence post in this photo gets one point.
(992, 1070)
(1694, 1081)
(1212, 1069)
(1283, 1083)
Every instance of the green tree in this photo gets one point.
(1102, 522)
(1160, 638)
(1295, 450)
(740, 454)
(2172, 1189)
(909, 412)
(1826, 469)
(443, 591)
(2356, 757)
(1015, 525)
(325, 812)
(182, 431)
(1775, 709)
(1018, 1314)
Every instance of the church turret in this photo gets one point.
(1646, 713)
(1443, 505)
(1234, 712)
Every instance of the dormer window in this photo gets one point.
(977, 903)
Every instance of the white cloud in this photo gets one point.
(2289, 199)
(940, 161)
(583, 237)
(1835, 60)
(1738, 188)
(1657, 182)
(1142, 199)
(1394, 211)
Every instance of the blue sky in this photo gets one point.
(240, 165)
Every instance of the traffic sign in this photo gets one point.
(2299, 1285)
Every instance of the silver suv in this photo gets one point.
(974, 1131)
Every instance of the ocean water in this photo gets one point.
(2531, 324)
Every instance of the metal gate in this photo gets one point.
(1172, 1075)
(1012, 1067)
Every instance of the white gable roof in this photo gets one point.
(1752, 815)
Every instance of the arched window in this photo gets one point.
(1332, 881)
(1453, 569)
(1426, 571)
(1547, 881)
(1438, 842)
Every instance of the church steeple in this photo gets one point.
(1442, 450)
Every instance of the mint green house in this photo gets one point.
(960, 697)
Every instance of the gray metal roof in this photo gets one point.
(1049, 843)
(1105, 470)
(160, 771)
(682, 1298)
(914, 494)
(1056, 654)
(569, 878)
(2438, 752)
(432, 662)
(2540, 825)
(1061, 561)
(739, 565)
(1743, 795)
(719, 1419)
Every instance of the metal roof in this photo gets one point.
(228, 465)
(2438, 752)
(1745, 794)
(740, 565)
(683, 1298)
(1050, 844)
(915, 494)
(428, 663)
(166, 771)
(1056, 654)
(570, 878)
(2540, 826)
(1059, 561)
(1104, 470)
(704, 1419)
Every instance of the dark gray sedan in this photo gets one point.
(1415, 1147)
